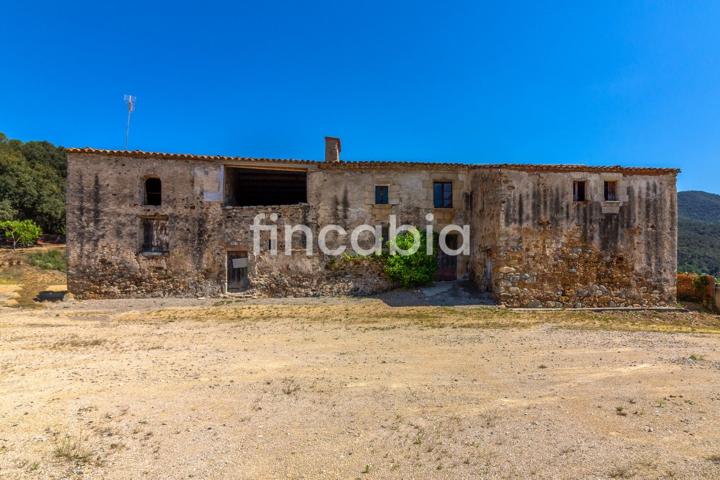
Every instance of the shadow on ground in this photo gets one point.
(445, 294)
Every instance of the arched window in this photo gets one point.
(153, 191)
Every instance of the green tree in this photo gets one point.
(415, 269)
(32, 183)
(7, 212)
(21, 233)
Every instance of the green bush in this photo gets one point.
(21, 233)
(411, 270)
(50, 260)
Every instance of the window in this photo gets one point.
(579, 189)
(153, 191)
(155, 238)
(442, 194)
(611, 191)
(381, 194)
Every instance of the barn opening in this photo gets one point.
(245, 187)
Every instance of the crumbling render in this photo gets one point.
(154, 224)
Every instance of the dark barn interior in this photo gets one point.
(246, 187)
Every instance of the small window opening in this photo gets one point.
(245, 187)
(155, 238)
(153, 191)
(442, 194)
(300, 239)
(381, 194)
(611, 191)
(579, 189)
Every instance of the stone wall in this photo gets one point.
(554, 251)
(346, 197)
(531, 243)
(485, 228)
(104, 213)
(297, 274)
(105, 210)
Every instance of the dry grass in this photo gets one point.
(374, 314)
(74, 341)
(73, 450)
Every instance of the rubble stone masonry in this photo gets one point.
(553, 251)
(532, 243)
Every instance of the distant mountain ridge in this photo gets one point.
(699, 232)
(696, 205)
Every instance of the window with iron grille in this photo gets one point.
(155, 237)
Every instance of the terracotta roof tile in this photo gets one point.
(358, 165)
(181, 156)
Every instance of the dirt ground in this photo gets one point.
(21, 282)
(354, 388)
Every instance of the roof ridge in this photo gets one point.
(372, 163)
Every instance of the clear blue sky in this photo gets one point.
(606, 82)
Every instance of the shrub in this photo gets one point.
(692, 287)
(411, 270)
(50, 260)
(21, 233)
(686, 290)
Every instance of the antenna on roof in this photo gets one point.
(130, 100)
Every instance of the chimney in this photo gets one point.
(332, 149)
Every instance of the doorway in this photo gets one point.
(237, 271)
(447, 264)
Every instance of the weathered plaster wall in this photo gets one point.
(346, 197)
(485, 227)
(298, 274)
(531, 244)
(104, 232)
(104, 211)
(554, 251)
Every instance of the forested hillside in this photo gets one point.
(32, 183)
(699, 232)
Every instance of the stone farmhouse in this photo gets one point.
(145, 224)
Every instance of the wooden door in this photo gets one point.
(447, 264)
